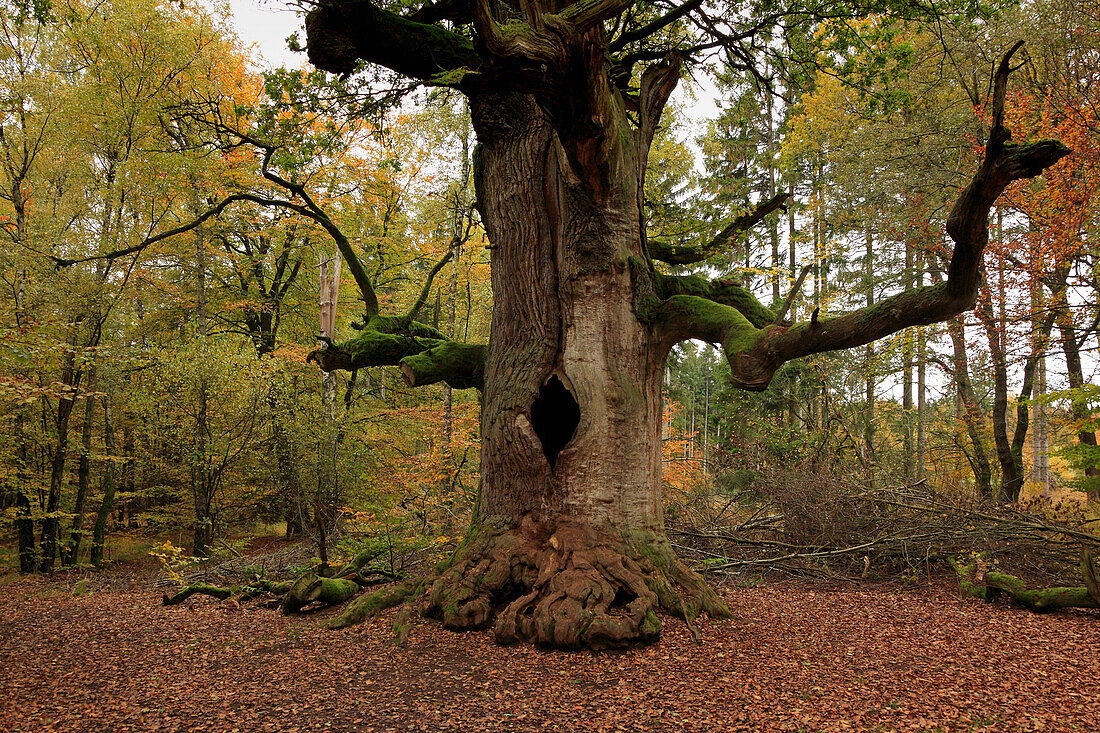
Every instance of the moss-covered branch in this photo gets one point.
(201, 589)
(722, 291)
(460, 365)
(683, 317)
(771, 346)
(340, 32)
(424, 355)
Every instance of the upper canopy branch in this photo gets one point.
(60, 262)
(754, 353)
(658, 82)
(638, 34)
(688, 255)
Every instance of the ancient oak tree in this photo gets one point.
(569, 546)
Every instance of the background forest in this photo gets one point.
(169, 216)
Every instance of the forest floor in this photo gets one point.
(797, 657)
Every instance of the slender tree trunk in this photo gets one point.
(1040, 440)
(452, 317)
(1040, 336)
(869, 354)
(24, 522)
(70, 379)
(99, 533)
(971, 413)
(327, 500)
(773, 219)
(921, 334)
(286, 467)
(1078, 406)
(794, 411)
(908, 458)
(1040, 461)
(1010, 472)
(201, 480)
(70, 553)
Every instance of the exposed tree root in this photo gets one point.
(561, 584)
(567, 585)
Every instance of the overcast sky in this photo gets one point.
(265, 25)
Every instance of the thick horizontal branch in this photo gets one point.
(584, 14)
(460, 365)
(754, 355)
(657, 25)
(340, 32)
(684, 317)
(685, 255)
(423, 353)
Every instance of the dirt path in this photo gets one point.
(795, 659)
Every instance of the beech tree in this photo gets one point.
(568, 547)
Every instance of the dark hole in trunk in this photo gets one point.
(555, 416)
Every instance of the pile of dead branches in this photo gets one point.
(820, 525)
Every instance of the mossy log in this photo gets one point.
(200, 589)
(260, 587)
(357, 563)
(989, 585)
(243, 592)
(372, 604)
(312, 588)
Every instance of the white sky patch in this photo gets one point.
(264, 25)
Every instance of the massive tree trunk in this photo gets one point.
(570, 451)
(568, 548)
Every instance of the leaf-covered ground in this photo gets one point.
(796, 658)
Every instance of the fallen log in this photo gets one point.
(199, 589)
(978, 579)
(243, 592)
